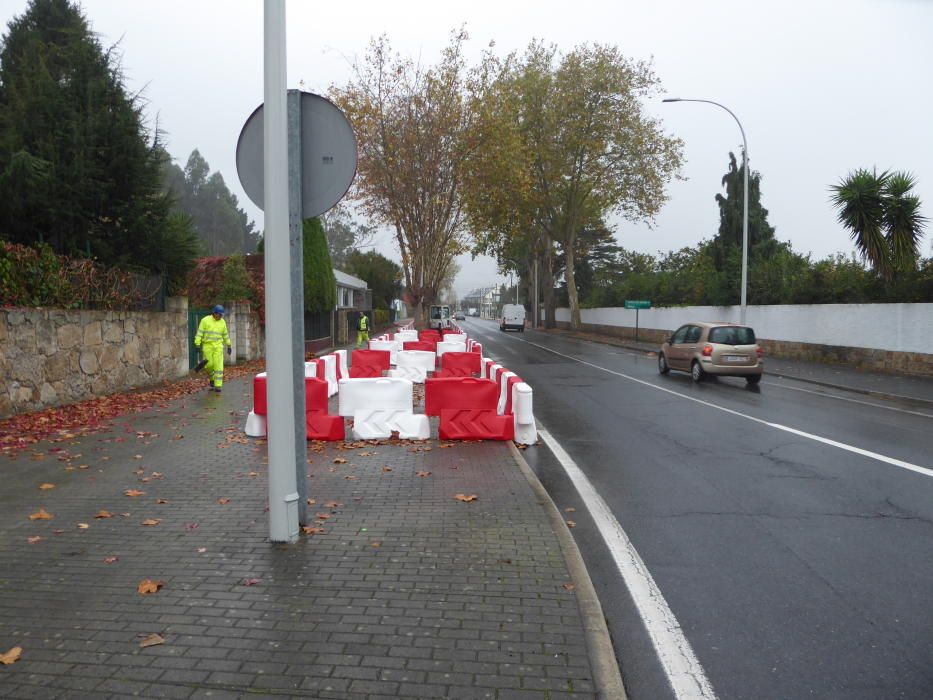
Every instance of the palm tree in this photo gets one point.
(882, 216)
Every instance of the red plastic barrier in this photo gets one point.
(477, 347)
(498, 375)
(487, 363)
(315, 395)
(475, 424)
(452, 373)
(425, 345)
(370, 358)
(508, 394)
(464, 363)
(431, 335)
(320, 426)
(364, 372)
(459, 392)
(450, 331)
(259, 395)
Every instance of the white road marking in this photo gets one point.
(926, 471)
(683, 670)
(845, 398)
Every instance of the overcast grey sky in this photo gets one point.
(821, 87)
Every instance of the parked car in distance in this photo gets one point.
(513, 316)
(459, 316)
(719, 349)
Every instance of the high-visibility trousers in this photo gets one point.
(214, 354)
(362, 337)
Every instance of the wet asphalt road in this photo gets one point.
(795, 568)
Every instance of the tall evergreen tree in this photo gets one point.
(731, 212)
(320, 283)
(77, 166)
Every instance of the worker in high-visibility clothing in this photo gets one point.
(211, 338)
(362, 329)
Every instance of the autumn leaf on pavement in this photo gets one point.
(251, 581)
(34, 539)
(568, 586)
(161, 501)
(311, 501)
(333, 504)
(340, 460)
(570, 509)
(308, 530)
(571, 523)
(464, 498)
(386, 469)
(12, 656)
(83, 526)
(223, 501)
(351, 477)
(376, 544)
(422, 473)
(322, 516)
(133, 493)
(41, 515)
(103, 514)
(46, 487)
(151, 521)
(191, 526)
(201, 550)
(111, 560)
(147, 586)
(151, 641)
(443, 445)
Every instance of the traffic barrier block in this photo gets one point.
(526, 432)
(474, 424)
(484, 368)
(461, 363)
(416, 375)
(456, 338)
(330, 372)
(343, 369)
(429, 335)
(255, 425)
(416, 358)
(312, 369)
(321, 426)
(445, 346)
(390, 345)
(316, 393)
(477, 348)
(377, 424)
(406, 336)
(459, 392)
(423, 345)
(380, 359)
(259, 394)
(377, 393)
(364, 371)
(493, 372)
(506, 381)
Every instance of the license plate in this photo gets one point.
(734, 358)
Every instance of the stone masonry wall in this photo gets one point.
(50, 357)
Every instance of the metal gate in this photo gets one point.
(194, 318)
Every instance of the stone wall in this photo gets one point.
(50, 357)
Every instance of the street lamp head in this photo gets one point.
(671, 99)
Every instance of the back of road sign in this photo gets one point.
(328, 155)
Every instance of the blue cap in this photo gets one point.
(218, 309)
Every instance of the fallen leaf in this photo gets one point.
(58, 532)
(571, 509)
(333, 504)
(41, 515)
(311, 502)
(161, 501)
(147, 586)
(257, 473)
(12, 656)
(322, 516)
(34, 539)
(251, 581)
(464, 498)
(377, 544)
(83, 526)
(103, 514)
(568, 586)
(366, 454)
(571, 523)
(308, 530)
(422, 473)
(350, 477)
(201, 550)
(340, 460)
(386, 469)
(46, 487)
(443, 446)
(191, 526)
(83, 466)
(137, 456)
(133, 493)
(151, 521)
(151, 641)
(223, 501)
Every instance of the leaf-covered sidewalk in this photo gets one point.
(427, 570)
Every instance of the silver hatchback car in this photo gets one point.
(720, 349)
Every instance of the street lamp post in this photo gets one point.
(745, 198)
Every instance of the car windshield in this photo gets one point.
(732, 335)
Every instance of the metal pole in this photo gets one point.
(636, 324)
(283, 496)
(745, 198)
(297, 281)
(536, 292)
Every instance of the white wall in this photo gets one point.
(900, 327)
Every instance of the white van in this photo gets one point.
(439, 317)
(513, 316)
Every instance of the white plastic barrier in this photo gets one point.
(492, 370)
(416, 358)
(456, 338)
(391, 393)
(526, 432)
(503, 390)
(390, 345)
(343, 369)
(310, 369)
(416, 375)
(450, 346)
(256, 425)
(330, 373)
(379, 423)
(482, 367)
(406, 336)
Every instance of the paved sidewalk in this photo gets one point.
(407, 592)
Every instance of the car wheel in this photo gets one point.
(662, 364)
(753, 378)
(697, 372)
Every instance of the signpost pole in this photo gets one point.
(636, 325)
(296, 278)
(283, 496)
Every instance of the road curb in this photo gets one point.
(606, 673)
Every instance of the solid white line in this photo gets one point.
(683, 670)
(845, 398)
(810, 436)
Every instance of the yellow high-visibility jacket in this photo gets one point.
(211, 332)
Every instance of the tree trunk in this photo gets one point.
(550, 305)
(572, 296)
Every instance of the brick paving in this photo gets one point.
(407, 593)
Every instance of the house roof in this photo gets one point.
(345, 280)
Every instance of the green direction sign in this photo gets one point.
(637, 304)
